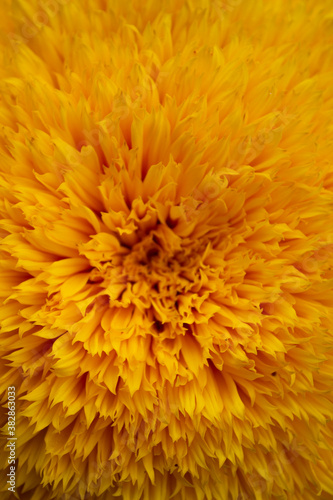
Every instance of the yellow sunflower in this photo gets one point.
(166, 220)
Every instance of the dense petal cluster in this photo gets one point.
(166, 220)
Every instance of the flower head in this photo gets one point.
(166, 298)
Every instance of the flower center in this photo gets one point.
(161, 272)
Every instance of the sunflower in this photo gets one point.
(166, 215)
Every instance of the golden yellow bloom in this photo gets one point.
(166, 219)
